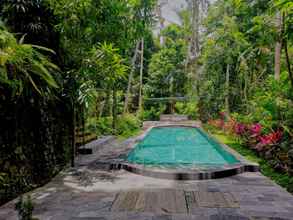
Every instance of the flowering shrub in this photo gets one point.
(251, 134)
(255, 130)
(269, 139)
(239, 129)
(254, 136)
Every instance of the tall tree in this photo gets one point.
(279, 44)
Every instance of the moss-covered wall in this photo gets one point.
(35, 143)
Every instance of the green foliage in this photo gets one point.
(23, 68)
(239, 33)
(167, 76)
(271, 105)
(128, 125)
(108, 65)
(93, 43)
(190, 109)
(25, 208)
(103, 126)
(86, 23)
(153, 113)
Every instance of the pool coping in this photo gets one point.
(184, 173)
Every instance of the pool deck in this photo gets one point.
(90, 191)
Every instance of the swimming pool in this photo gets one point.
(184, 146)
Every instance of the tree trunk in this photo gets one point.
(98, 112)
(141, 74)
(101, 109)
(194, 44)
(107, 107)
(288, 62)
(195, 29)
(171, 94)
(73, 142)
(278, 47)
(161, 23)
(227, 90)
(278, 50)
(114, 110)
(130, 78)
(285, 29)
(245, 88)
(83, 124)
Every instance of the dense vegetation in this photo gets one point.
(63, 68)
(247, 76)
(69, 68)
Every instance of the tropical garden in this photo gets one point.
(75, 70)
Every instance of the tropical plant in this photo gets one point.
(106, 68)
(23, 68)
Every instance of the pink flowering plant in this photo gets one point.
(255, 130)
(240, 129)
(260, 137)
(251, 134)
(270, 139)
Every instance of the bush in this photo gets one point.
(128, 125)
(153, 114)
(104, 126)
(271, 144)
(25, 208)
(190, 109)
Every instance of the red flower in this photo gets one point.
(239, 129)
(271, 138)
(255, 130)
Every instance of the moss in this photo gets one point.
(282, 179)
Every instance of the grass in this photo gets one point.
(282, 179)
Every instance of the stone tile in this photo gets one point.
(204, 211)
(190, 217)
(90, 218)
(228, 217)
(273, 218)
(161, 217)
(230, 211)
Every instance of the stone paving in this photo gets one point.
(89, 191)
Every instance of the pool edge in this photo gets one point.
(163, 173)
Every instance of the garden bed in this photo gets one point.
(281, 178)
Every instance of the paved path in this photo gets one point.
(91, 192)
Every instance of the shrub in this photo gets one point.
(103, 126)
(127, 125)
(269, 144)
(190, 109)
(25, 208)
(153, 113)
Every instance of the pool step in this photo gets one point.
(174, 118)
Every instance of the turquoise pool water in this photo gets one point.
(179, 146)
